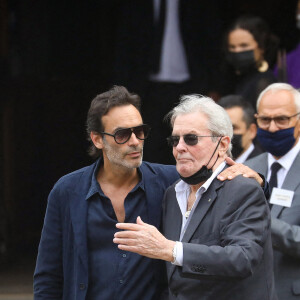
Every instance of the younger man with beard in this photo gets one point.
(77, 258)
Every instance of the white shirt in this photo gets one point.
(182, 190)
(173, 62)
(242, 158)
(286, 162)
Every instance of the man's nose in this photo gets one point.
(273, 127)
(133, 140)
(181, 144)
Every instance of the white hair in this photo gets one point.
(276, 87)
(218, 124)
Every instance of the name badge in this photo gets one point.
(282, 197)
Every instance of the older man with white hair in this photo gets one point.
(217, 239)
(278, 113)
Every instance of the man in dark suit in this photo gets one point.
(217, 241)
(278, 113)
(241, 114)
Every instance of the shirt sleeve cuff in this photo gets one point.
(179, 254)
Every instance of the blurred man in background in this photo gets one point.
(242, 118)
(278, 113)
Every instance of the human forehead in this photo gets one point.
(191, 123)
(121, 117)
(239, 36)
(277, 103)
(235, 114)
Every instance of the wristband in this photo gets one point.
(174, 253)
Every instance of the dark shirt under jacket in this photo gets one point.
(63, 269)
(113, 273)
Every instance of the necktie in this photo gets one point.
(273, 179)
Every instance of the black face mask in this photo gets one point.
(237, 148)
(241, 61)
(203, 174)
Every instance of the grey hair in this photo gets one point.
(276, 87)
(218, 124)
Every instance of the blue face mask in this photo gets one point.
(277, 143)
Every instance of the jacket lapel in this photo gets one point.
(78, 213)
(259, 164)
(175, 222)
(291, 180)
(206, 201)
(152, 189)
(201, 210)
(290, 183)
(79, 220)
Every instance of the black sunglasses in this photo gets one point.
(121, 136)
(189, 139)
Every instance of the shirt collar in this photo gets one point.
(95, 187)
(182, 186)
(242, 158)
(287, 160)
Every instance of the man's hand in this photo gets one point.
(238, 169)
(143, 239)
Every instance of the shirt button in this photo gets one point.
(121, 281)
(124, 255)
(82, 286)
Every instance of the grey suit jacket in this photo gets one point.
(227, 251)
(285, 226)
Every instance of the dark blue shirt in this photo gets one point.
(66, 269)
(113, 273)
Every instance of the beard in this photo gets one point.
(120, 157)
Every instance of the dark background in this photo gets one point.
(55, 57)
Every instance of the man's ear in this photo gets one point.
(97, 140)
(224, 145)
(297, 129)
(253, 130)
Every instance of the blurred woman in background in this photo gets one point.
(250, 51)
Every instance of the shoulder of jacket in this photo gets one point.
(257, 160)
(159, 168)
(70, 180)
